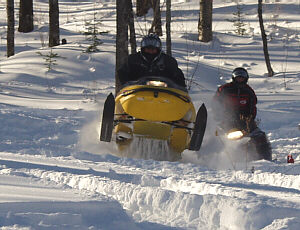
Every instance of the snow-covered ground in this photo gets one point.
(54, 173)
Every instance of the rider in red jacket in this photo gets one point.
(235, 104)
(237, 97)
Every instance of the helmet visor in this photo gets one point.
(240, 73)
(149, 42)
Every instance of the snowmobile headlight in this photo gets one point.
(188, 116)
(157, 83)
(234, 135)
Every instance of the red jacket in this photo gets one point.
(233, 100)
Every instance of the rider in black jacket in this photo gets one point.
(150, 61)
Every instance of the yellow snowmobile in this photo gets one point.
(153, 108)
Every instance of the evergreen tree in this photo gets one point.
(50, 59)
(92, 32)
(238, 20)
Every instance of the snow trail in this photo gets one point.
(151, 196)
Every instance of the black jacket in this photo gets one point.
(137, 66)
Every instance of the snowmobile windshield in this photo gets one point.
(156, 81)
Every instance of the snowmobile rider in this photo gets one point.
(150, 61)
(235, 103)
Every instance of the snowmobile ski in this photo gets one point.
(199, 129)
(107, 124)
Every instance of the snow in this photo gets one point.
(54, 172)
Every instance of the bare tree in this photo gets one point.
(26, 16)
(205, 20)
(10, 28)
(156, 24)
(122, 38)
(264, 38)
(53, 23)
(142, 7)
(131, 28)
(168, 27)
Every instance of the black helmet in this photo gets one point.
(240, 72)
(151, 40)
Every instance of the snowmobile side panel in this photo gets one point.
(199, 129)
(108, 119)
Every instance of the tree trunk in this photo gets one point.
(10, 28)
(122, 38)
(26, 16)
(156, 24)
(53, 23)
(205, 20)
(264, 38)
(131, 28)
(168, 27)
